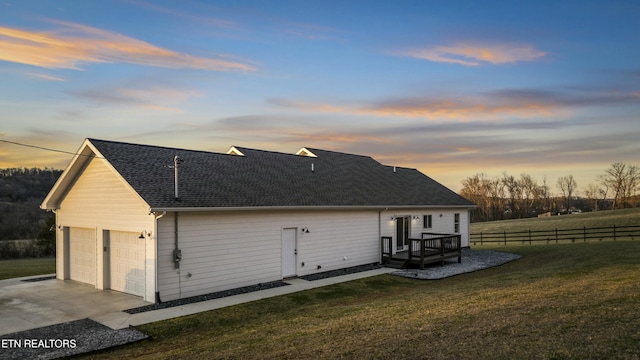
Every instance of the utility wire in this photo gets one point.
(47, 149)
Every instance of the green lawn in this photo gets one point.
(26, 267)
(565, 301)
(625, 217)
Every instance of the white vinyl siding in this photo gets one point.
(100, 196)
(442, 221)
(100, 200)
(228, 250)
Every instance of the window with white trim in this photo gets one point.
(456, 223)
(428, 221)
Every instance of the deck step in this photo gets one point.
(396, 263)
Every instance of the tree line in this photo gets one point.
(508, 197)
(21, 192)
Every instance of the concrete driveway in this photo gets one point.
(30, 305)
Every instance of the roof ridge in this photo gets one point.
(92, 140)
(335, 152)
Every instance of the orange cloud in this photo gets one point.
(469, 54)
(463, 109)
(434, 109)
(76, 44)
(334, 137)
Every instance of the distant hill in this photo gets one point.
(21, 192)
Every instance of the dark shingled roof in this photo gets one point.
(266, 178)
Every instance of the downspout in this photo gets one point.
(177, 253)
(55, 228)
(155, 231)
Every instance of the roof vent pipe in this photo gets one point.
(312, 168)
(394, 169)
(176, 161)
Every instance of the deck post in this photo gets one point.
(422, 245)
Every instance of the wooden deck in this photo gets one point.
(432, 248)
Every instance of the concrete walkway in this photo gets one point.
(30, 305)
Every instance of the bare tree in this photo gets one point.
(514, 190)
(475, 188)
(545, 195)
(592, 192)
(567, 184)
(623, 180)
(530, 192)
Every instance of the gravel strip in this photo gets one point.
(340, 272)
(472, 260)
(205, 297)
(51, 277)
(67, 339)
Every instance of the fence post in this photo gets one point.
(556, 235)
(614, 232)
(529, 236)
(505, 237)
(584, 233)
(480, 238)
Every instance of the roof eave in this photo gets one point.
(52, 200)
(324, 207)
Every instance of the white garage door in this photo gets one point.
(82, 255)
(127, 262)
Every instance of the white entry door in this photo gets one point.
(289, 252)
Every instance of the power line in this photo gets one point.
(47, 149)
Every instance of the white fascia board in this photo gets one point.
(234, 151)
(68, 176)
(305, 152)
(86, 152)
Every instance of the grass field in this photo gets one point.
(560, 301)
(625, 217)
(26, 267)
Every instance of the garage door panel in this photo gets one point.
(82, 254)
(127, 262)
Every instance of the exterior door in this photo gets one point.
(402, 232)
(289, 252)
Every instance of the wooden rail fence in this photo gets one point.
(557, 235)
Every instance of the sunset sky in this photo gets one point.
(452, 88)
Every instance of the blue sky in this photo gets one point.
(453, 88)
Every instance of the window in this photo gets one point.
(456, 223)
(428, 221)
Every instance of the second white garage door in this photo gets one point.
(127, 262)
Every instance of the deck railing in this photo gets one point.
(434, 248)
(387, 248)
